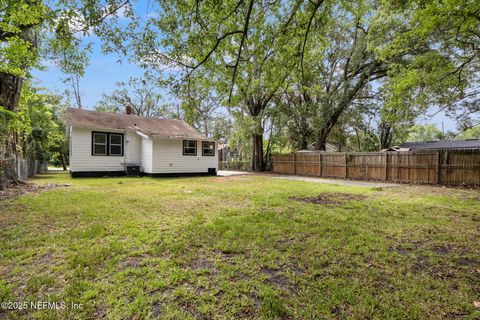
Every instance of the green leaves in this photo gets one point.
(18, 21)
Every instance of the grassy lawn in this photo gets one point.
(240, 247)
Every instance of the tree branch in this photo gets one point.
(193, 67)
(310, 21)
(244, 36)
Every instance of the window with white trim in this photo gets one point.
(208, 148)
(116, 144)
(189, 147)
(107, 144)
(99, 144)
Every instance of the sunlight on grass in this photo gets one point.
(239, 247)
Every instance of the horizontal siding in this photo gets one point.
(168, 158)
(147, 147)
(81, 158)
(133, 148)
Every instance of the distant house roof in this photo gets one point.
(166, 128)
(395, 148)
(444, 144)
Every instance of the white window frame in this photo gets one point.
(188, 147)
(206, 143)
(100, 144)
(115, 144)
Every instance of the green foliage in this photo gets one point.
(18, 19)
(8, 121)
(39, 132)
(470, 133)
(355, 73)
(421, 133)
(37, 125)
(143, 94)
(440, 48)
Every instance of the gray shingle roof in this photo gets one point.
(444, 144)
(151, 126)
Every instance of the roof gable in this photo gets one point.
(165, 128)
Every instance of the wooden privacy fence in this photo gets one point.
(449, 167)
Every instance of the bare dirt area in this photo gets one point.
(333, 199)
(18, 189)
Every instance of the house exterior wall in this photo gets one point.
(155, 156)
(168, 158)
(147, 150)
(81, 158)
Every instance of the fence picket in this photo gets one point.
(452, 167)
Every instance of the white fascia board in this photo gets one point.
(143, 135)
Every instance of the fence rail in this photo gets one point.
(448, 167)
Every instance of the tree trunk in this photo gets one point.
(257, 152)
(343, 104)
(10, 87)
(303, 144)
(386, 136)
(321, 143)
(255, 108)
(62, 159)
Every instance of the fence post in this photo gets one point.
(294, 164)
(397, 164)
(408, 167)
(320, 163)
(346, 159)
(437, 167)
(366, 170)
(385, 166)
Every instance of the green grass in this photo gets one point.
(240, 247)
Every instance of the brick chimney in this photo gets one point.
(128, 109)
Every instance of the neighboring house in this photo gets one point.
(103, 143)
(442, 144)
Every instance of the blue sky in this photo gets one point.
(103, 72)
(100, 77)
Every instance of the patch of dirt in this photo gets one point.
(441, 250)
(333, 199)
(202, 263)
(455, 260)
(423, 264)
(276, 278)
(406, 247)
(16, 190)
(191, 308)
(226, 254)
(100, 312)
(468, 262)
(131, 262)
(157, 310)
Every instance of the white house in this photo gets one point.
(104, 143)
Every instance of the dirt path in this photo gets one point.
(338, 181)
(311, 179)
